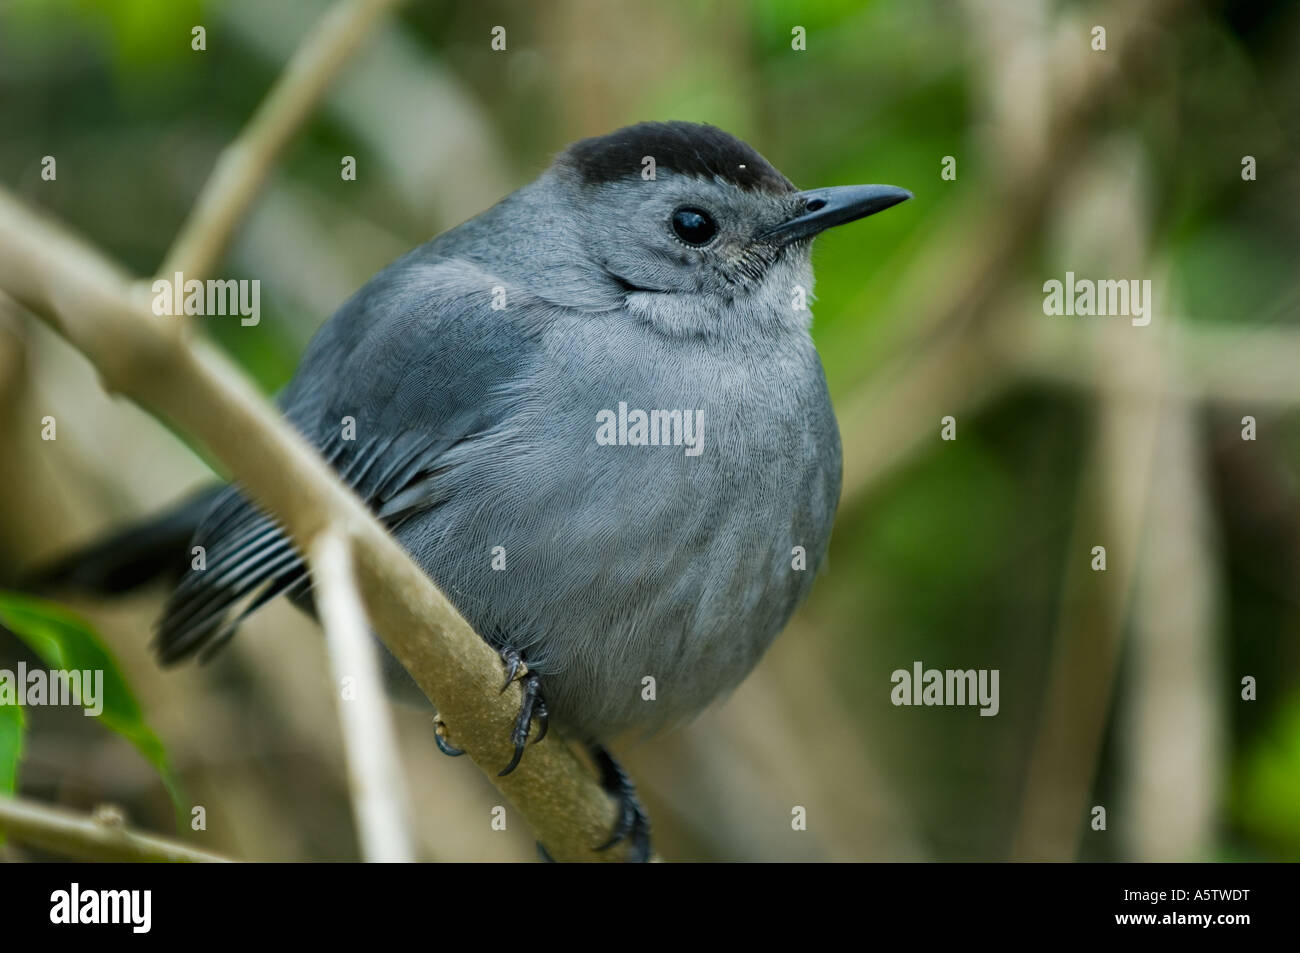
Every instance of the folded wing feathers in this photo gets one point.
(250, 561)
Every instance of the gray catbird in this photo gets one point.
(593, 415)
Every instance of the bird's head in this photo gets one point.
(696, 230)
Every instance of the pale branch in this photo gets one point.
(1063, 761)
(1095, 607)
(379, 800)
(91, 838)
(1172, 703)
(243, 166)
(157, 363)
(1229, 364)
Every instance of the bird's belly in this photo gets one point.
(636, 617)
(640, 582)
(656, 636)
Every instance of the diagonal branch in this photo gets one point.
(156, 363)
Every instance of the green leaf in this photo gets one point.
(11, 746)
(12, 725)
(66, 642)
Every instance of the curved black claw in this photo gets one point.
(632, 820)
(514, 662)
(440, 739)
(531, 707)
(541, 714)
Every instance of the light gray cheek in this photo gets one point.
(773, 295)
(778, 288)
(674, 314)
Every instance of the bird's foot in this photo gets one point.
(440, 738)
(532, 707)
(632, 821)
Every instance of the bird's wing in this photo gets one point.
(415, 364)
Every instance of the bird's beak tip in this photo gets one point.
(838, 205)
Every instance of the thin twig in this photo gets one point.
(379, 800)
(79, 835)
(243, 166)
(1173, 748)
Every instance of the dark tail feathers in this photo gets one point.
(131, 558)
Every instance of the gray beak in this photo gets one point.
(826, 208)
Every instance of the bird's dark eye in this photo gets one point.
(694, 226)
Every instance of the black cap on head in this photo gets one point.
(686, 148)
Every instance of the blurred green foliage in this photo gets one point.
(67, 643)
(1268, 788)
